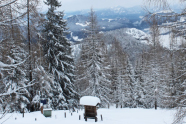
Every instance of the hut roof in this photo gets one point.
(89, 100)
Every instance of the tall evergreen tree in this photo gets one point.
(117, 59)
(140, 82)
(93, 63)
(130, 84)
(57, 51)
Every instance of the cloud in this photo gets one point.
(73, 5)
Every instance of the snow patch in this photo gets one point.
(165, 39)
(109, 20)
(165, 12)
(137, 23)
(182, 19)
(76, 38)
(83, 25)
(70, 16)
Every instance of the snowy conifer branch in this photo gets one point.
(14, 91)
(3, 65)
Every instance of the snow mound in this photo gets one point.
(89, 100)
(137, 34)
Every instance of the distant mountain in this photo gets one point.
(113, 12)
(108, 19)
(127, 25)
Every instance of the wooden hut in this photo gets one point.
(90, 104)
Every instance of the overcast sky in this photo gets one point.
(73, 5)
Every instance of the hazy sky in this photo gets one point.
(72, 5)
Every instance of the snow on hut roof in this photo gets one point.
(89, 100)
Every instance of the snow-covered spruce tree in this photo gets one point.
(140, 79)
(94, 70)
(123, 77)
(57, 50)
(152, 78)
(118, 64)
(44, 82)
(131, 84)
(44, 86)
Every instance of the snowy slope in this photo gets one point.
(110, 116)
(166, 41)
(137, 34)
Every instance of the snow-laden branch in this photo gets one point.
(14, 91)
(3, 65)
(1, 6)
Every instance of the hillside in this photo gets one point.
(133, 41)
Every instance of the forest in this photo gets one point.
(36, 61)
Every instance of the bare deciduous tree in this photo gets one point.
(176, 24)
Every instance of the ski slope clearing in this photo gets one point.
(110, 116)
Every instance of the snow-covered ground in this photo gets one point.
(166, 41)
(110, 116)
